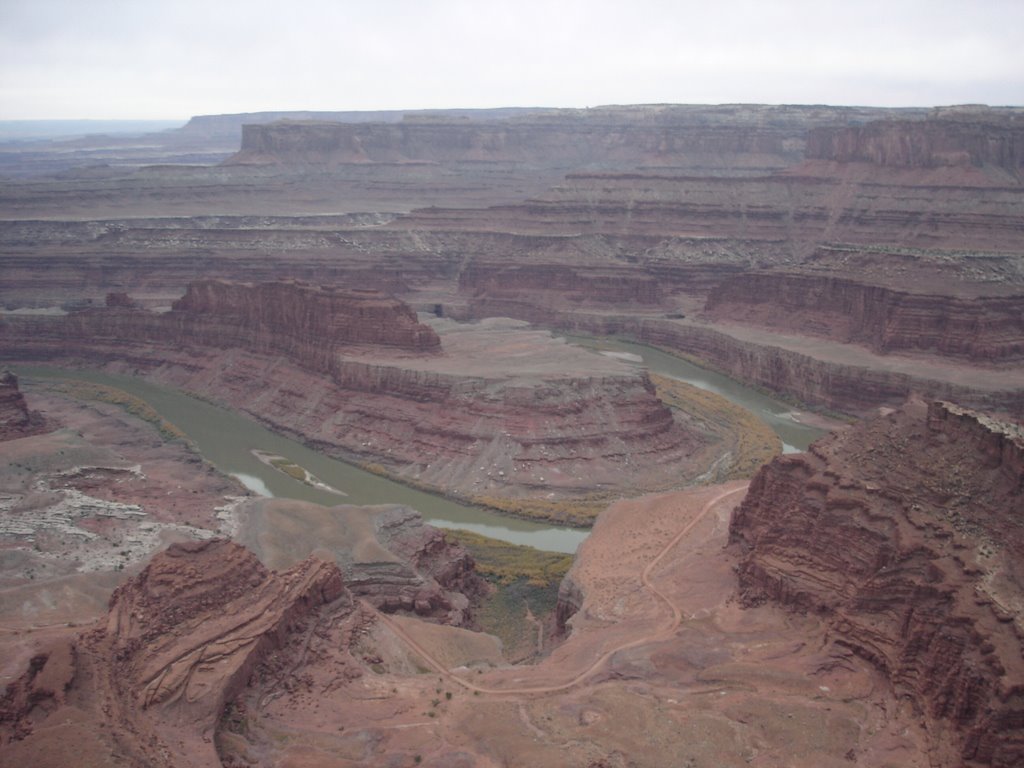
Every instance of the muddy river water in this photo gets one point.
(228, 440)
(776, 414)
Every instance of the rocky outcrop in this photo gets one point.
(181, 640)
(16, 420)
(968, 140)
(120, 300)
(570, 601)
(41, 688)
(645, 209)
(306, 322)
(446, 569)
(904, 533)
(386, 553)
(987, 329)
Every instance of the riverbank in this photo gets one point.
(226, 439)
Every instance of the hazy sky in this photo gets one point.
(177, 58)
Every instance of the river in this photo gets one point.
(776, 414)
(227, 440)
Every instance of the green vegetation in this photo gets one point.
(579, 512)
(85, 390)
(504, 563)
(290, 468)
(525, 581)
(751, 441)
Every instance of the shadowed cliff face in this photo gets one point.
(970, 140)
(266, 314)
(905, 533)
(15, 418)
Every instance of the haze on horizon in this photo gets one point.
(132, 59)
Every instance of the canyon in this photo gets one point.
(768, 229)
(489, 412)
(15, 418)
(388, 288)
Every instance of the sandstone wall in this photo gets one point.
(837, 386)
(750, 137)
(903, 532)
(308, 324)
(15, 418)
(181, 639)
(924, 143)
(980, 328)
(299, 320)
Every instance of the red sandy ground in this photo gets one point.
(662, 668)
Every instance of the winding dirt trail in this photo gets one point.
(645, 578)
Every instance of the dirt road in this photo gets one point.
(645, 577)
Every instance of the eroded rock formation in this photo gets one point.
(290, 317)
(181, 640)
(894, 229)
(386, 554)
(905, 534)
(16, 420)
(745, 136)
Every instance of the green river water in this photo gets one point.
(227, 440)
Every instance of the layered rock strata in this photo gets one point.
(740, 136)
(940, 141)
(499, 412)
(16, 420)
(181, 640)
(307, 323)
(849, 379)
(988, 329)
(386, 554)
(895, 229)
(904, 534)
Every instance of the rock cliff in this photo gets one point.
(941, 141)
(182, 639)
(839, 382)
(306, 322)
(978, 328)
(904, 533)
(16, 420)
(639, 209)
(743, 137)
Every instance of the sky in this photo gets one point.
(171, 59)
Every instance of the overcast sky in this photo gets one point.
(176, 58)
